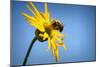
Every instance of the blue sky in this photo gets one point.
(79, 30)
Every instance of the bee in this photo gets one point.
(57, 25)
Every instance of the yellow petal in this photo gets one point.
(59, 39)
(47, 15)
(30, 9)
(26, 16)
(36, 12)
(54, 45)
(53, 53)
(43, 15)
(37, 26)
(60, 44)
(33, 22)
(56, 33)
(36, 17)
(57, 55)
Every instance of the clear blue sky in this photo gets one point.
(79, 27)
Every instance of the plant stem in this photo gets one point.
(29, 50)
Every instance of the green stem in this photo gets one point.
(29, 50)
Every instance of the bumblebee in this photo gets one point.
(57, 25)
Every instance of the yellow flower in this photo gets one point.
(46, 28)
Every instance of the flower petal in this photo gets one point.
(57, 55)
(36, 12)
(33, 21)
(47, 15)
